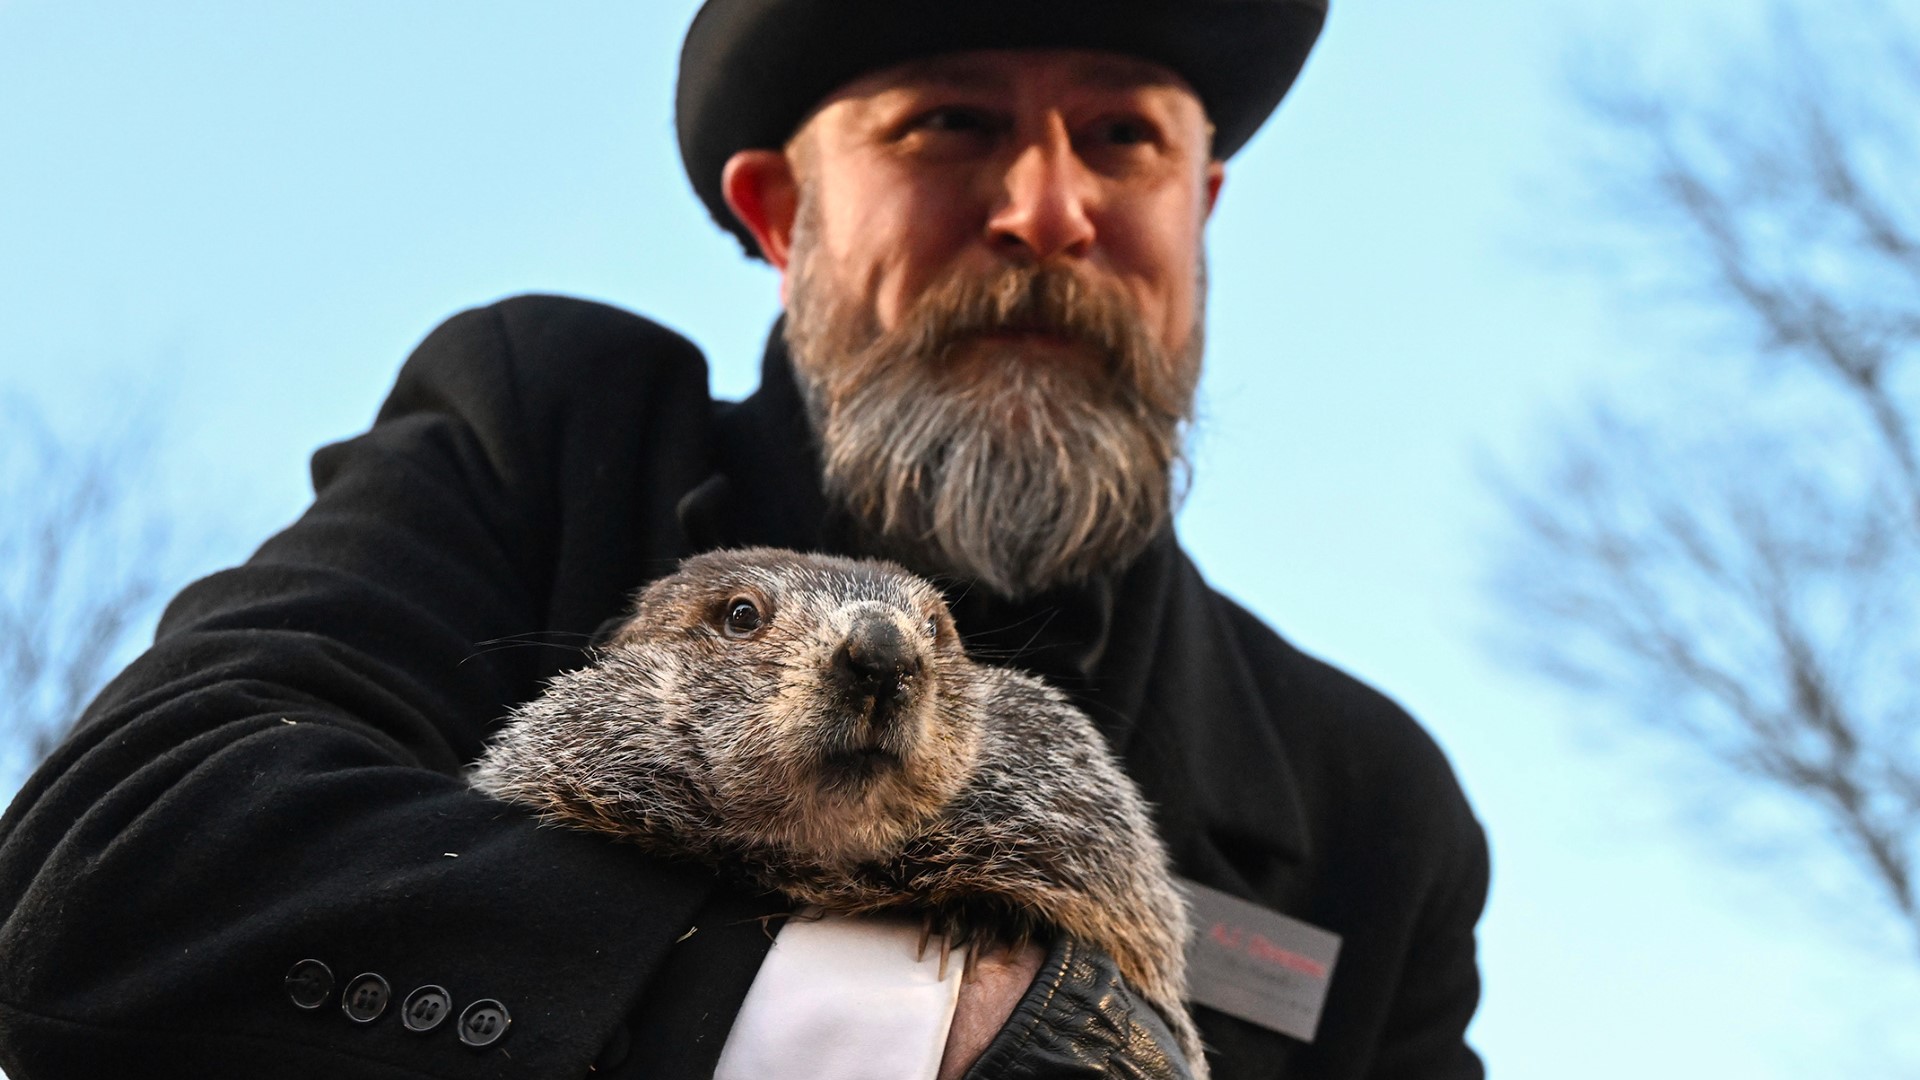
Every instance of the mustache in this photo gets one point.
(1056, 301)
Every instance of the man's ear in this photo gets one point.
(1216, 176)
(762, 191)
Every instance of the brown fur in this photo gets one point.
(982, 799)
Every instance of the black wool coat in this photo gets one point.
(278, 780)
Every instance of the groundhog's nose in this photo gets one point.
(877, 660)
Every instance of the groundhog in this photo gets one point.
(813, 725)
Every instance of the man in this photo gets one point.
(256, 857)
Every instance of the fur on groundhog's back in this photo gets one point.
(813, 725)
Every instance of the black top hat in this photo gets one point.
(751, 70)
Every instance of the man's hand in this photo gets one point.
(987, 997)
(1075, 1019)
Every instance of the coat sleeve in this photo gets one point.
(278, 779)
(1418, 865)
(1425, 1034)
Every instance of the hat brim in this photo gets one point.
(752, 70)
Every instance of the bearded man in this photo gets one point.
(256, 857)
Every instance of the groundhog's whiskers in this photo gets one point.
(541, 639)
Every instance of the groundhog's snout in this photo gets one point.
(877, 662)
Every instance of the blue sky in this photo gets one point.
(244, 215)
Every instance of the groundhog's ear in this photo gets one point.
(611, 632)
(624, 627)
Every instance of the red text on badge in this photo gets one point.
(1259, 948)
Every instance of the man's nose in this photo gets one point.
(1043, 212)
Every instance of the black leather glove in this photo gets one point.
(1079, 1020)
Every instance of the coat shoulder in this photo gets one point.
(564, 341)
(542, 322)
(530, 376)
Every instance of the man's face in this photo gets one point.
(993, 275)
(964, 163)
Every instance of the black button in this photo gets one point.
(425, 1008)
(309, 984)
(365, 998)
(484, 1023)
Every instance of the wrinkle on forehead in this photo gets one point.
(997, 71)
(991, 70)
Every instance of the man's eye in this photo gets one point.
(955, 120)
(1126, 132)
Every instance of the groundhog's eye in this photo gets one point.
(932, 627)
(743, 617)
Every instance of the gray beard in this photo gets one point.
(1020, 474)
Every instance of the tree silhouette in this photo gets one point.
(1745, 575)
(82, 554)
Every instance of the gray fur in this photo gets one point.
(996, 808)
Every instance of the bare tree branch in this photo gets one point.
(1791, 191)
(82, 561)
(1751, 587)
(1738, 598)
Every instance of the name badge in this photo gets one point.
(1256, 964)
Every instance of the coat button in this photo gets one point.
(365, 998)
(425, 1008)
(484, 1023)
(309, 984)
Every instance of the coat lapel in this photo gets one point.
(1201, 740)
(765, 489)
